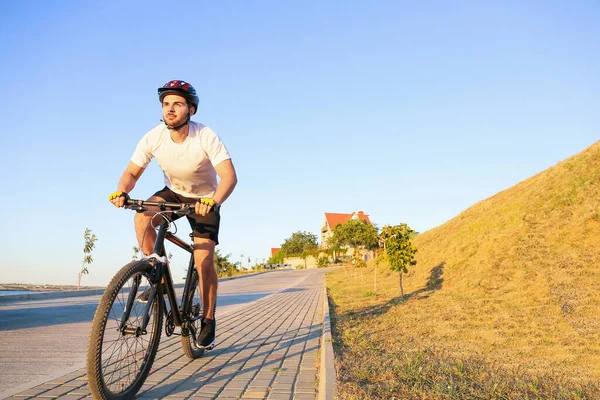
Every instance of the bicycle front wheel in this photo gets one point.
(191, 307)
(120, 352)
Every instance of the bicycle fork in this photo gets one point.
(123, 328)
(131, 299)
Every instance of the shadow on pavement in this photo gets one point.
(211, 375)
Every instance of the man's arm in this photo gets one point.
(127, 182)
(227, 182)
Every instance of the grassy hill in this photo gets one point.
(503, 303)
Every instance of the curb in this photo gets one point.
(327, 375)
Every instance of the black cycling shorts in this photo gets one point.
(202, 226)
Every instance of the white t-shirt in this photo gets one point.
(188, 166)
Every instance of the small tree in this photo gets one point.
(304, 255)
(355, 233)
(298, 243)
(89, 244)
(379, 257)
(359, 262)
(334, 247)
(399, 249)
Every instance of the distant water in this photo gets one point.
(5, 292)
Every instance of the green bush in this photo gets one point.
(322, 262)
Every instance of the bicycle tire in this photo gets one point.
(191, 307)
(118, 363)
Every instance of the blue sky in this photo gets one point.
(409, 111)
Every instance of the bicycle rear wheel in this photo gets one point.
(120, 355)
(192, 311)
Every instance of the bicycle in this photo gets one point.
(125, 332)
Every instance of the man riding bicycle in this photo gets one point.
(191, 156)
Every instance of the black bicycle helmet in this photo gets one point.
(182, 89)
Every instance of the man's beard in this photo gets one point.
(175, 123)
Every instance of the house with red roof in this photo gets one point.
(330, 222)
(332, 219)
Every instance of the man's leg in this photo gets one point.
(204, 257)
(206, 237)
(146, 234)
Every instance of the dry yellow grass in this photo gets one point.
(513, 280)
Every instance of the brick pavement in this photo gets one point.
(267, 350)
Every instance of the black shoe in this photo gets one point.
(143, 297)
(206, 337)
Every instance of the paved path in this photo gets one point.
(268, 349)
(54, 327)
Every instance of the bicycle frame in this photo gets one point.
(162, 272)
(168, 278)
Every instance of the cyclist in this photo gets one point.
(191, 156)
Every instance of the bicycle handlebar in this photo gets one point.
(141, 205)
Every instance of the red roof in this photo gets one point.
(334, 218)
(274, 250)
